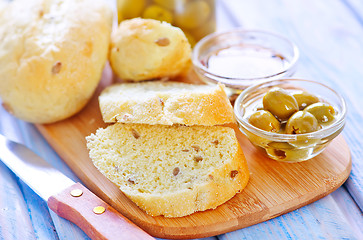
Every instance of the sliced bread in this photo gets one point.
(171, 170)
(166, 103)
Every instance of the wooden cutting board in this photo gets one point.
(274, 188)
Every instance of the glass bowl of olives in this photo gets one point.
(292, 120)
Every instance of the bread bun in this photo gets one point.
(167, 103)
(171, 170)
(52, 53)
(144, 49)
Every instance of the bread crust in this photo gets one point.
(208, 106)
(52, 53)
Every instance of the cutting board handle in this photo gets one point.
(95, 217)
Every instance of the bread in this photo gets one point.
(144, 49)
(166, 103)
(52, 53)
(171, 170)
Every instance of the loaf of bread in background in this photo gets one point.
(144, 49)
(171, 170)
(52, 53)
(157, 102)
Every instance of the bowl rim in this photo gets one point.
(326, 131)
(233, 80)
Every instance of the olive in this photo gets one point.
(305, 99)
(170, 4)
(288, 155)
(195, 14)
(280, 103)
(264, 120)
(323, 112)
(301, 122)
(129, 9)
(158, 13)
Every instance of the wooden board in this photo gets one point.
(274, 188)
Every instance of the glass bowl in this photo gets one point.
(240, 58)
(289, 147)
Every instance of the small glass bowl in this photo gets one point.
(289, 147)
(240, 41)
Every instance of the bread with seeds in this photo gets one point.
(52, 53)
(172, 171)
(145, 49)
(166, 103)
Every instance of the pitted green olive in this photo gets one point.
(323, 112)
(280, 103)
(305, 99)
(301, 122)
(264, 120)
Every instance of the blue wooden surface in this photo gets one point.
(329, 35)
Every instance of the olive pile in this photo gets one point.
(195, 17)
(292, 113)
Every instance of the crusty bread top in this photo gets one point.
(171, 170)
(144, 49)
(166, 103)
(52, 53)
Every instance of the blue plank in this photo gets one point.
(322, 219)
(13, 209)
(45, 224)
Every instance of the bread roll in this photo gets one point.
(144, 49)
(171, 170)
(166, 103)
(52, 53)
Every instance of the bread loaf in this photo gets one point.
(166, 103)
(171, 170)
(52, 53)
(144, 49)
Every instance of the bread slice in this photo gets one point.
(166, 103)
(171, 170)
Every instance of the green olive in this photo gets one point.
(264, 120)
(280, 103)
(301, 122)
(305, 99)
(323, 112)
(288, 155)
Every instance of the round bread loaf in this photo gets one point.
(171, 170)
(52, 54)
(144, 49)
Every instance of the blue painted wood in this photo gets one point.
(320, 220)
(330, 36)
(44, 224)
(13, 210)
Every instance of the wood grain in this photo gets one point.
(275, 188)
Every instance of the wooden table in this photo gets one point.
(329, 35)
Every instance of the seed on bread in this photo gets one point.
(234, 173)
(56, 67)
(196, 148)
(176, 171)
(198, 158)
(215, 142)
(135, 133)
(163, 41)
(131, 180)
